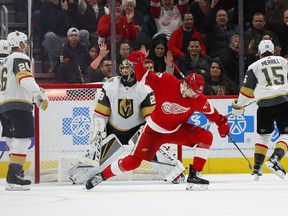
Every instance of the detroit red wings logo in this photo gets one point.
(173, 108)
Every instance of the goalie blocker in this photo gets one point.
(164, 162)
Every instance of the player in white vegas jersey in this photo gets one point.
(123, 106)
(4, 51)
(266, 80)
(18, 87)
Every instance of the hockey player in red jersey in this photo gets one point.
(176, 101)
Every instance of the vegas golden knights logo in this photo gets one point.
(262, 130)
(125, 107)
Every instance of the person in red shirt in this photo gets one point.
(125, 26)
(180, 38)
(176, 101)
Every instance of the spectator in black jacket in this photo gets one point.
(74, 60)
(56, 18)
(229, 57)
(218, 31)
(216, 82)
(89, 14)
(194, 61)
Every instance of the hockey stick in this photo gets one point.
(232, 140)
(210, 123)
(3, 151)
(178, 70)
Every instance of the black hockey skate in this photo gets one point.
(195, 182)
(15, 178)
(257, 171)
(274, 165)
(97, 179)
(179, 179)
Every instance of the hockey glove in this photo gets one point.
(136, 56)
(99, 127)
(236, 109)
(41, 100)
(223, 126)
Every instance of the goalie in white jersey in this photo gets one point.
(266, 80)
(122, 108)
(18, 87)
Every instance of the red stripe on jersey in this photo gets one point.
(17, 155)
(24, 77)
(263, 146)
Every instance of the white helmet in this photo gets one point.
(14, 38)
(4, 47)
(264, 46)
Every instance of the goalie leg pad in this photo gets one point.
(168, 166)
(86, 168)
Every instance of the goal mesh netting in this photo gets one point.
(62, 133)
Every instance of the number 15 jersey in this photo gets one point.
(266, 80)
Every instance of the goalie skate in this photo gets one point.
(179, 179)
(274, 166)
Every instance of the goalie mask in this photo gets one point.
(126, 69)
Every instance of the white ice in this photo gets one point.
(227, 195)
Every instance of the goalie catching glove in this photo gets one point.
(40, 99)
(236, 109)
(99, 127)
(223, 126)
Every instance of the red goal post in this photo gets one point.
(62, 132)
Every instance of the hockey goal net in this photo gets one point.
(62, 133)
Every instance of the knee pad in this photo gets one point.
(263, 139)
(20, 145)
(206, 137)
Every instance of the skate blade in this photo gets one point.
(279, 173)
(14, 187)
(196, 187)
(256, 177)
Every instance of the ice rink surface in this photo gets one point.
(227, 195)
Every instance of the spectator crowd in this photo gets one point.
(200, 36)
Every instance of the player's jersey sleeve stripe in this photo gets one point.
(23, 74)
(102, 110)
(147, 111)
(248, 92)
